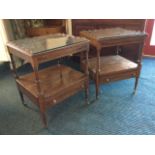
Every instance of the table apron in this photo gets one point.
(69, 51)
(108, 43)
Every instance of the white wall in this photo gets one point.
(153, 36)
(6, 35)
(69, 26)
(3, 40)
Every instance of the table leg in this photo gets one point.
(97, 86)
(43, 112)
(16, 77)
(137, 79)
(139, 65)
(21, 96)
(81, 59)
(136, 84)
(97, 72)
(60, 68)
(13, 66)
(87, 80)
(41, 100)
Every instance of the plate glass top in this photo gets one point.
(45, 43)
(110, 33)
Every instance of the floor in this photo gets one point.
(117, 111)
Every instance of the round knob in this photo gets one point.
(54, 101)
(107, 80)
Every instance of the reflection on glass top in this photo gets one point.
(44, 43)
(109, 33)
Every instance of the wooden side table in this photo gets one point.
(51, 85)
(115, 67)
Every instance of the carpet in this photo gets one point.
(116, 112)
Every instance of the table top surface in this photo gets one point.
(111, 33)
(45, 43)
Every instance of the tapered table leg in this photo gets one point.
(97, 87)
(87, 75)
(22, 97)
(136, 84)
(43, 113)
(141, 45)
(97, 72)
(16, 77)
(42, 104)
(87, 91)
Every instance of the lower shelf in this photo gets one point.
(112, 64)
(56, 83)
(112, 68)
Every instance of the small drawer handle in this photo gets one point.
(107, 80)
(54, 101)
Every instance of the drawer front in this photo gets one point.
(53, 100)
(121, 76)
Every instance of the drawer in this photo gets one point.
(121, 76)
(68, 92)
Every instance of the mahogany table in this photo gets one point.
(114, 67)
(51, 85)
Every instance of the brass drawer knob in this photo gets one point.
(70, 55)
(107, 80)
(54, 101)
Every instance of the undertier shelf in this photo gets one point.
(56, 82)
(111, 64)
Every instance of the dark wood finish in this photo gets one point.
(79, 25)
(31, 32)
(54, 22)
(53, 92)
(51, 85)
(50, 26)
(111, 68)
